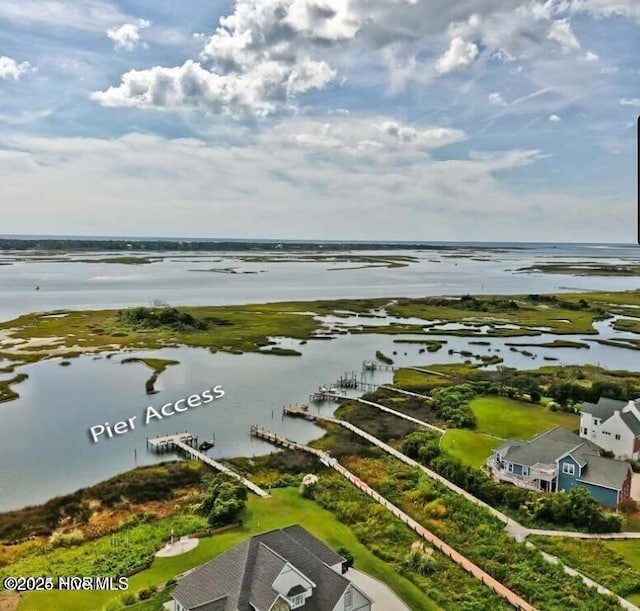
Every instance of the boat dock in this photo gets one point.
(283, 442)
(371, 366)
(186, 444)
(327, 394)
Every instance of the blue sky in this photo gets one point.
(337, 119)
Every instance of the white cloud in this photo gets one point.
(635, 102)
(554, 119)
(304, 187)
(496, 99)
(459, 56)
(89, 15)
(427, 137)
(608, 8)
(561, 32)
(261, 58)
(590, 56)
(9, 68)
(257, 92)
(127, 36)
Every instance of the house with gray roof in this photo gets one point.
(558, 460)
(613, 425)
(278, 570)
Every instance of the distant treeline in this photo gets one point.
(78, 244)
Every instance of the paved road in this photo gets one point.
(384, 598)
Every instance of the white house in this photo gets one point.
(613, 425)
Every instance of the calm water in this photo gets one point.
(45, 449)
(102, 285)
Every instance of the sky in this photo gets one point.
(483, 120)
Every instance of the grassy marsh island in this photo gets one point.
(157, 365)
(583, 269)
(248, 328)
(6, 392)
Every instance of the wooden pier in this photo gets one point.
(186, 444)
(167, 443)
(408, 393)
(326, 394)
(297, 411)
(371, 366)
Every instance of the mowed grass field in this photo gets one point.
(285, 507)
(469, 447)
(511, 419)
(630, 551)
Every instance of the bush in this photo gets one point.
(144, 594)
(224, 500)
(347, 555)
(451, 405)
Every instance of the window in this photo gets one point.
(297, 601)
(617, 437)
(510, 467)
(348, 600)
(525, 470)
(568, 469)
(596, 421)
(585, 431)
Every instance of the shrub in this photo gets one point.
(224, 500)
(144, 594)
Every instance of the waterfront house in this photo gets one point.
(556, 461)
(613, 425)
(278, 570)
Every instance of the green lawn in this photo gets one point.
(284, 508)
(511, 419)
(630, 551)
(470, 447)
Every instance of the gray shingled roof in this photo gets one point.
(218, 578)
(549, 446)
(244, 575)
(546, 447)
(316, 547)
(632, 422)
(604, 408)
(605, 472)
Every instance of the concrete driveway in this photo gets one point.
(384, 599)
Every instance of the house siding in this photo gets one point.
(604, 435)
(359, 602)
(604, 496)
(565, 481)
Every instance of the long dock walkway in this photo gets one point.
(500, 589)
(181, 442)
(429, 371)
(384, 408)
(514, 528)
(408, 393)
